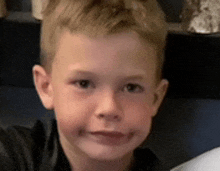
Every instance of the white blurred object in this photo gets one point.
(209, 161)
(201, 16)
(37, 6)
(3, 10)
(37, 9)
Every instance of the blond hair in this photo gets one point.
(102, 17)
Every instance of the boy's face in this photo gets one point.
(104, 93)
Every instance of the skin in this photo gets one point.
(101, 84)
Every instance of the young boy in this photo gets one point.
(100, 72)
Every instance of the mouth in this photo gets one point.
(109, 138)
(108, 134)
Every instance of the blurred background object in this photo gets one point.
(37, 9)
(172, 9)
(3, 9)
(201, 16)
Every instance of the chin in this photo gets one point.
(107, 153)
(106, 156)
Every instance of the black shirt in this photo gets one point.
(38, 149)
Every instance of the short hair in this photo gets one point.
(102, 17)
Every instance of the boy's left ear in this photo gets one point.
(159, 94)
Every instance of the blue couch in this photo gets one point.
(188, 121)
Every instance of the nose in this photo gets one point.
(109, 108)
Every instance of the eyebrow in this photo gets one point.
(83, 72)
(130, 77)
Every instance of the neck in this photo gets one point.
(92, 165)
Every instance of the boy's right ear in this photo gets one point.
(43, 85)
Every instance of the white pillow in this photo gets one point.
(209, 161)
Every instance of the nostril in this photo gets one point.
(101, 116)
(116, 117)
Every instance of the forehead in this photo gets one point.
(119, 49)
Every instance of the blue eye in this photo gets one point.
(134, 88)
(84, 84)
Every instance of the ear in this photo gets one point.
(159, 94)
(42, 82)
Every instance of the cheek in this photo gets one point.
(71, 113)
(71, 123)
(140, 116)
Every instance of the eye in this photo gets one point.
(84, 84)
(133, 88)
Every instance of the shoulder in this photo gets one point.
(21, 147)
(146, 160)
(207, 161)
(19, 135)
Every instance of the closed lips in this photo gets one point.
(110, 138)
(109, 134)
